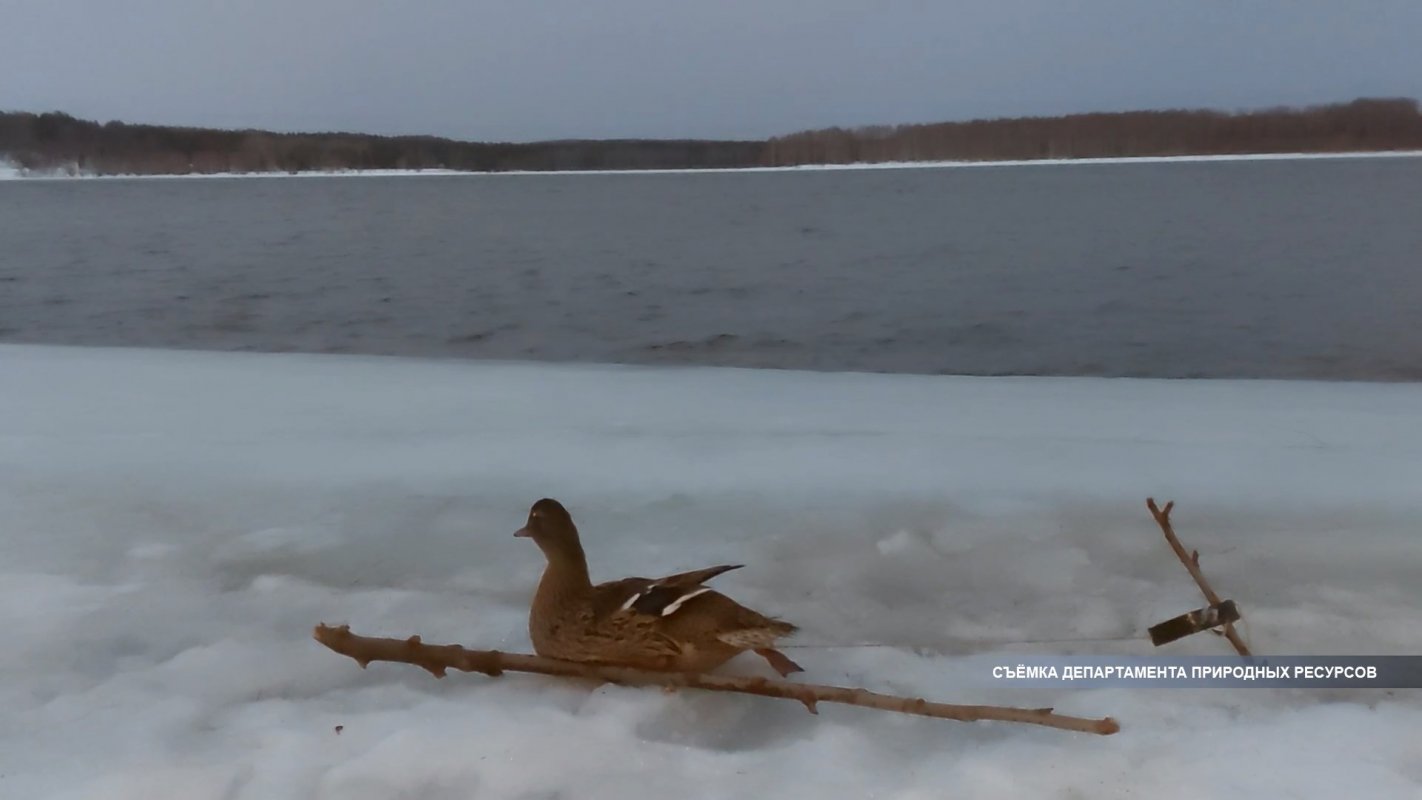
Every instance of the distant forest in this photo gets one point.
(58, 142)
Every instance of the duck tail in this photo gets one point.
(780, 628)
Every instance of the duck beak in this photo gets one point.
(523, 533)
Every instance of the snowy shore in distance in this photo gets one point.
(176, 523)
(11, 172)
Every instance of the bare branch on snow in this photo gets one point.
(439, 658)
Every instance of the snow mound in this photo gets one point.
(176, 523)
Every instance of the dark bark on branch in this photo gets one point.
(438, 659)
(1191, 560)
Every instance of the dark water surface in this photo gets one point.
(1299, 269)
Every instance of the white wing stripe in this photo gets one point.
(674, 605)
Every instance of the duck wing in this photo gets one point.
(656, 598)
(695, 577)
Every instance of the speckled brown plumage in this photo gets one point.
(672, 624)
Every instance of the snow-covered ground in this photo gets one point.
(174, 524)
(9, 171)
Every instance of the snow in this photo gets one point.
(176, 522)
(11, 172)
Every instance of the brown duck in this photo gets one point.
(668, 624)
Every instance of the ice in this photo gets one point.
(176, 522)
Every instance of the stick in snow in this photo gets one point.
(1192, 564)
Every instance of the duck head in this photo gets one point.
(551, 527)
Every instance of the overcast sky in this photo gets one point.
(534, 69)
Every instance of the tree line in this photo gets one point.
(1362, 125)
(58, 141)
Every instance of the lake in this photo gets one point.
(1253, 268)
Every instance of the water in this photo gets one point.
(1287, 269)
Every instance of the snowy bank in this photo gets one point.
(73, 173)
(175, 524)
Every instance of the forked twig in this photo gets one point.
(439, 658)
(1191, 560)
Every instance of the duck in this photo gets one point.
(670, 624)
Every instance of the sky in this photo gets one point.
(515, 70)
